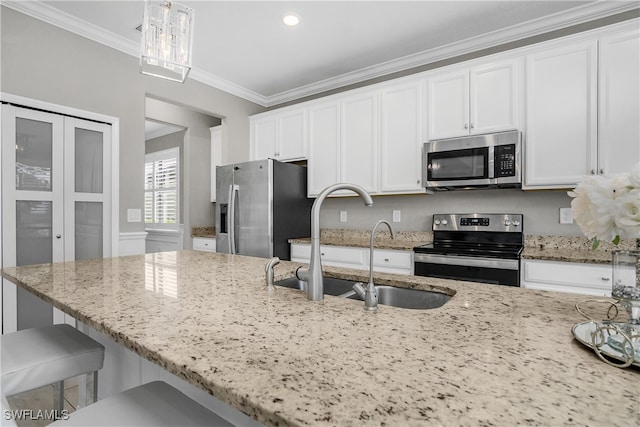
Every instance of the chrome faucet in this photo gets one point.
(268, 270)
(370, 295)
(313, 274)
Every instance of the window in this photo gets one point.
(161, 189)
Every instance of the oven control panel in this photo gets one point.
(478, 222)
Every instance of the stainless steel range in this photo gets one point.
(474, 247)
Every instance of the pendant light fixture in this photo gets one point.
(167, 40)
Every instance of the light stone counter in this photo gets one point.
(493, 355)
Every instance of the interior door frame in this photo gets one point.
(8, 294)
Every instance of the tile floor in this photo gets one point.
(42, 399)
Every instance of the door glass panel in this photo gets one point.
(33, 155)
(34, 234)
(88, 153)
(88, 230)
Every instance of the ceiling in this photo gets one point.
(243, 47)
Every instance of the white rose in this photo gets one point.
(627, 214)
(634, 176)
(592, 207)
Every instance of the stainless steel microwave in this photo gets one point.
(471, 162)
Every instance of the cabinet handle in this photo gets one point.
(601, 171)
(466, 126)
(471, 125)
(322, 253)
(418, 182)
(605, 279)
(386, 260)
(593, 171)
(58, 236)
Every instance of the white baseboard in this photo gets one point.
(133, 243)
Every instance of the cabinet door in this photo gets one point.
(324, 144)
(561, 131)
(619, 103)
(448, 105)
(264, 137)
(292, 136)
(576, 278)
(496, 97)
(359, 142)
(400, 139)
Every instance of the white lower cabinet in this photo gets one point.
(206, 244)
(385, 261)
(571, 277)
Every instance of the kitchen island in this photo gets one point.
(492, 355)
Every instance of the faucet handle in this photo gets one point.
(268, 269)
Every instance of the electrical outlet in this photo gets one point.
(134, 215)
(343, 216)
(566, 217)
(396, 216)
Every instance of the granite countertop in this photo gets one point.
(492, 355)
(549, 248)
(208, 232)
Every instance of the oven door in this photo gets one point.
(469, 166)
(484, 270)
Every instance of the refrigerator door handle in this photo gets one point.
(231, 226)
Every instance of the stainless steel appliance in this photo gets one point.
(260, 206)
(474, 247)
(479, 161)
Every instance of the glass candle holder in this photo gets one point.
(626, 282)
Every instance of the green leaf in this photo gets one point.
(616, 240)
(595, 244)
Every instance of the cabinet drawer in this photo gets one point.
(391, 259)
(331, 255)
(204, 244)
(588, 279)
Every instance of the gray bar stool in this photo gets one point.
(154, 404)
(32, 358)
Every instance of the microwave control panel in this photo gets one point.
(505, 160)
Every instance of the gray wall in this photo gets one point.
(46, 63)
(540, 209)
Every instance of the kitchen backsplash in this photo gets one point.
(541, 210)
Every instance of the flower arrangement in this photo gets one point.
(608, 208)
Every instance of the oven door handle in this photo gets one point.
(502, 264)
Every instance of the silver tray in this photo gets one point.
(583, 332)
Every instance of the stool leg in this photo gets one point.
(58, 396)
(83, 386)
(95, 387)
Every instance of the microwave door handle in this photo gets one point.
(491, 162)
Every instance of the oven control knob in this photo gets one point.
(507, 221)
(437, 222)
(445, 222)
(516, 223)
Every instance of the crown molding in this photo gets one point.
(560, 20)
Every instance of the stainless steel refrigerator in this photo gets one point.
(260, 206)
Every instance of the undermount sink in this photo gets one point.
(407, 298)
(387, 295)
(332, 286)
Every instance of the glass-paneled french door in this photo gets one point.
(56, 198)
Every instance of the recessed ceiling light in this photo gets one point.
(291, 19)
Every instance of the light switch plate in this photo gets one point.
(396, 216)
(134, 215)
(565, 216)
(343, 216)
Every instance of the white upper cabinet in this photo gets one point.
(359, 140)
(561, 126)
(280, 135)
(619, 103)
(400, 151)
(324, 146)
(478, 100)
(343, 139)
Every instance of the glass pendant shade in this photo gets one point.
(167, 40)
